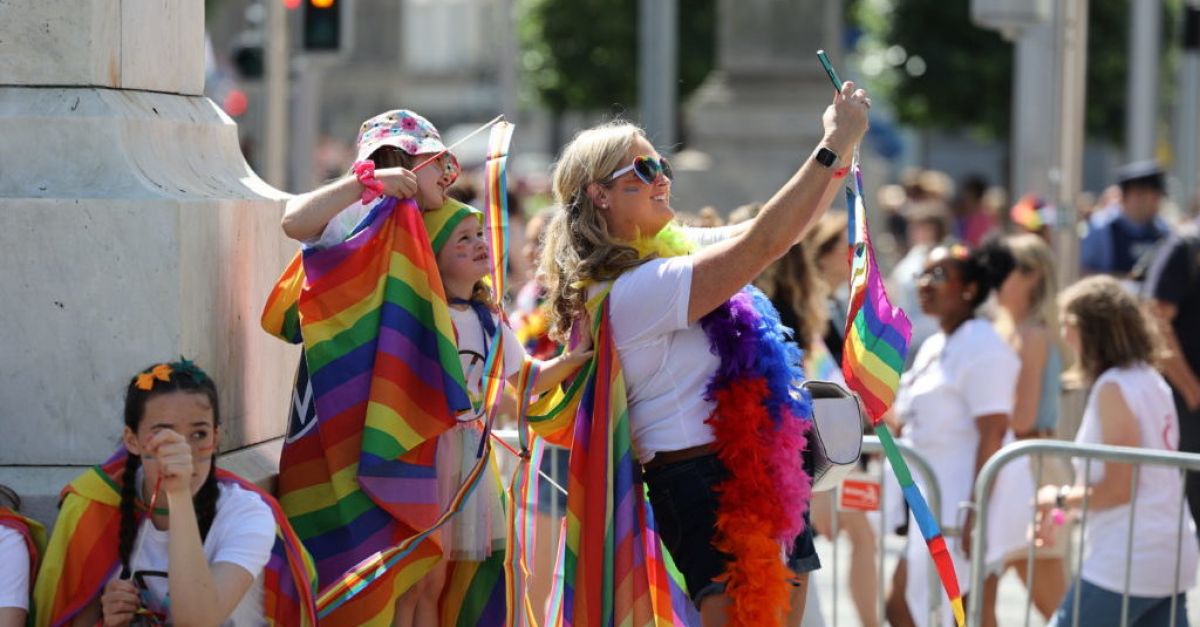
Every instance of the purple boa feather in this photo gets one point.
(747, 336)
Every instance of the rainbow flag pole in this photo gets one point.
(876, 343)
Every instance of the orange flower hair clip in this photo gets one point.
(161, 372)
(958, 251)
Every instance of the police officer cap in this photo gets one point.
(1141, 174)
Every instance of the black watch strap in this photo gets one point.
(825, 157)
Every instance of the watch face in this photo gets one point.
(825, 157)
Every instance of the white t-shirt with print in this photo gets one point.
(1156, 547)
(242, 534)
(473, 351)
(14, 574)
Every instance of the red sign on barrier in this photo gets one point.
(859, 493)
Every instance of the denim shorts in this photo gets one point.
(1101, 608)
(683, 497)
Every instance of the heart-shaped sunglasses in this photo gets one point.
(646, 168)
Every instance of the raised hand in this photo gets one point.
(846, 119)
(398, 182)
(173, 456)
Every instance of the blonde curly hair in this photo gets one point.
(578, 248)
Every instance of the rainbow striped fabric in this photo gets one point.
(495, 201)
(621, 575)
(877, 334)
(876, 344)
(358, 478)
(83, 554)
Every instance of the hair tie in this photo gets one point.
(372, 187)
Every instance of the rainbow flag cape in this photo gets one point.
(380, 380)
(32, 532)
(621, 575)
(876, 344)
(83, 554)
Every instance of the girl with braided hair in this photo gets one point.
(159, 534)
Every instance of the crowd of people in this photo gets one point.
(695, 371)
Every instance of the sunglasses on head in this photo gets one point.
(935, 275)
(646, 168)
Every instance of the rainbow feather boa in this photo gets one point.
(761, 422)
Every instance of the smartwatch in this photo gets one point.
(825, 157)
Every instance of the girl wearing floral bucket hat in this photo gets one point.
(396, 142)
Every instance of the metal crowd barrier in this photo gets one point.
(1039, 449)
(919, 465)
(929, 486)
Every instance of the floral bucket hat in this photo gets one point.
(407, 131)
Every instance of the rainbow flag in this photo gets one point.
(877, 334)
(357, 478)
(621, 575)
(83, 554)
(876, 344)
(495, 201)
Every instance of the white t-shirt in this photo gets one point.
(340, 227)
(667, 362)
(242, 533)
(473, 352)
(953, 381)
(14, 575)
(1159, 491)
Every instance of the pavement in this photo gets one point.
(1010, 604)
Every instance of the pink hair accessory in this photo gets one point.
(1058, 517)
(372, 187)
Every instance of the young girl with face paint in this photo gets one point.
(396, 142)
(200, 554)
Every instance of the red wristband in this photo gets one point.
(841, 172)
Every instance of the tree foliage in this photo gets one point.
(583, 54)
(968, 79)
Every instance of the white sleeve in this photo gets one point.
(248, 532)
(340, 227)
(514, 352)
(651, 300)
(707, 236)
(989, 383)
(14, 574)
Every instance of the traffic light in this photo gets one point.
(323, 25)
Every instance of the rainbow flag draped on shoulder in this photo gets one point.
(379, 382)
(621, 575)
(876, 344)
(83, 554)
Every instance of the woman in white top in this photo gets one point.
(1027, 319)
(655, 307)
(1129, 405)
(953, 407)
